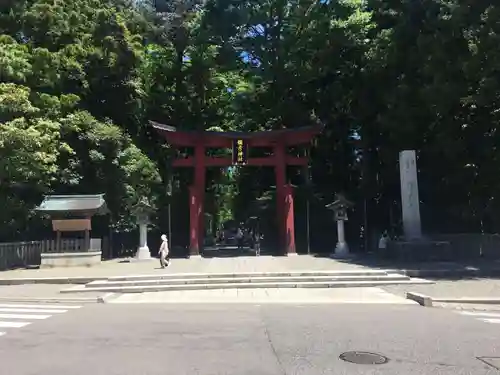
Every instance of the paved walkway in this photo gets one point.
(192, 265)
(263, 296)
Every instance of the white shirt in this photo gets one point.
(382, 243)
(164, 247)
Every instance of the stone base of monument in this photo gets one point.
(424, 250)
(82, 259)
(341, 252)
(142, 254)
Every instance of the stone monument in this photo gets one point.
(410, 202)
(414, 246)
(339, 208)
(142, 210)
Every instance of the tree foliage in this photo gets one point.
(79, 81)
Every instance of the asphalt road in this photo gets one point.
(147, 339)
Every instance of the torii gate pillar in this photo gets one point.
(196, 200)
(279, 140)
(284, 203)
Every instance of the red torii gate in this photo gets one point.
(278, 140)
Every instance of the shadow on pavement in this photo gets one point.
(234, 252)
(452, 270)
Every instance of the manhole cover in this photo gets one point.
(364, 358)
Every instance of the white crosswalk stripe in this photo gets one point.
(13, 324)
(58, 307)
(24, 316)
(52, 311)
(491, 320)
(486, 317)
(20, 315)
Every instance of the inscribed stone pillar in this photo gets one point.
(410, 202)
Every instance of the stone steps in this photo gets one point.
(173, 276)
(314, 284)
(237, 280)
(254, 280)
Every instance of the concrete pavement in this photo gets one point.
(51, 294)
(118, 267)
(266, 296)
(485, 287)
(154, 339)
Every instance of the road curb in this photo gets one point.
(421, 299)
(50, 280)
(107, 297)
(428, 301)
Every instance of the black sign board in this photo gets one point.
(239, 152)
(162, 6)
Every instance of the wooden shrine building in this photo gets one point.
(72, 213)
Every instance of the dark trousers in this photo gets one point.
(164, 260)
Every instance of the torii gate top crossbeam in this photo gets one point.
(287, 137)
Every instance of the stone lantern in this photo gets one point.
(339, 208)
(142, 211)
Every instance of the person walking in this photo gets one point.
(239, 238)
(382, 242)
(164, 251)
